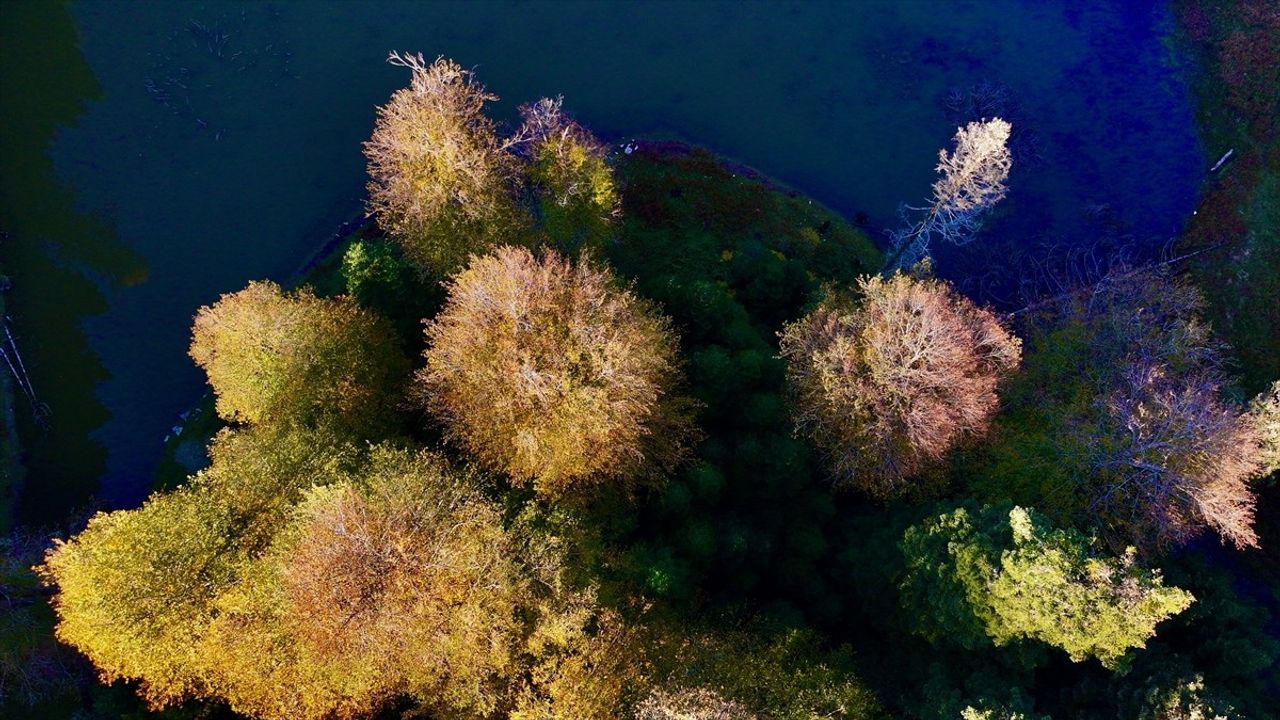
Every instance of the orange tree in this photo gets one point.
(551, 371)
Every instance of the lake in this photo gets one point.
(222, 144)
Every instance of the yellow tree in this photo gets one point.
(888, 385)
(578, 200)
(136, 589)
(402, 582)
(548, 370)
(296, 359)
(441, 179)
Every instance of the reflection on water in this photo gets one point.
(227, 142)
(56, 257)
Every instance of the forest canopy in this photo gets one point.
(679, 444)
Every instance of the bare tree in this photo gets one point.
(972, 180)
(1171, 459)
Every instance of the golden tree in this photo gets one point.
(136, 589)
(548, 370)
(403, 582)
(887, 386)
(441, 178)
(578, 198)
(293, 358)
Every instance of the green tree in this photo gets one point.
(296, 359)
(380, 278)
(441, 180)
(1005, 575)
(550, 371)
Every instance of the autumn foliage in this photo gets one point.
(1156, 453)
(887, 385)
(578, 200)
(402, 582)
(293, 358)
(547, 369)
(441, 179)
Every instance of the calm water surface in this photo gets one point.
(218, 160)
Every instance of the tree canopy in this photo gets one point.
(441, 179)
(1003, 575)
(549, 370)
(887, 384)
(276, 357)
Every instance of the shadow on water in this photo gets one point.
(226, 143)
(56, 258)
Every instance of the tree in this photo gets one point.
(1119, 422)
(136, 588)
(1264, 416)
(1170, 458)
(972, 181)
(296, 359)
(1003, 575)
(772, 672)
(403, 581)
(690, 704)
(441, 179)
(888, 386)
(588, 663)
(548, 370)
(578, 200)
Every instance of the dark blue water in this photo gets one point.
(222, 160)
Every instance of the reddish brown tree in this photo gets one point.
(887, 385)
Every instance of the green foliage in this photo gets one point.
(379, 277)
(731, 259)
(1008, 575)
